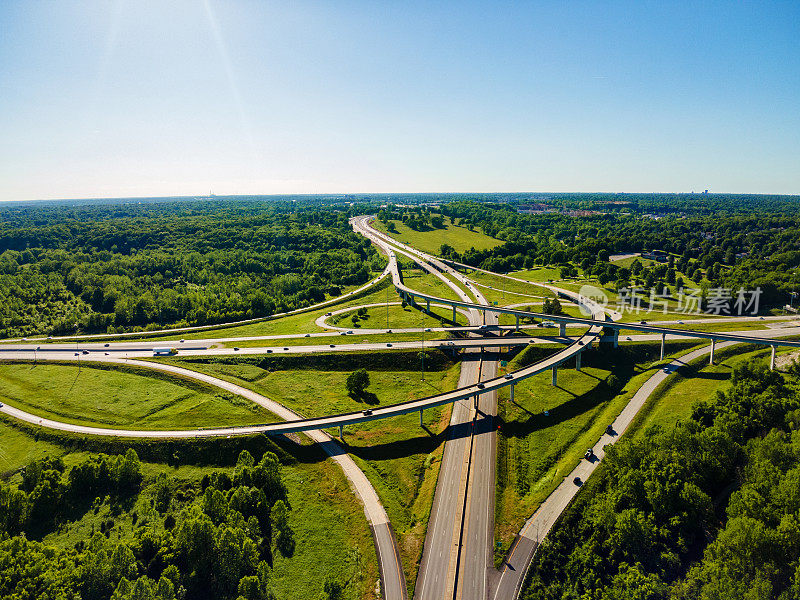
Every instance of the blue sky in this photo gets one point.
(140, 98)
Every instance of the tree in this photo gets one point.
(357, 382)
(284, 538)
(333, 590)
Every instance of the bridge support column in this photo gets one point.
(555, 375)
(616, 338)
(663, 338)
(517, 325)
(341, 432)
(454, 315)
(428, 305)
(484, 316)
(772, 360)
(512, 393)
(562, 329)
(578, 361)
(476, 401)
(420, 417)
(713, 346)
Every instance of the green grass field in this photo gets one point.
(399, 317)
(400, 459)
(509, 285)
(460, 238)
(535, 452)
(122, 398)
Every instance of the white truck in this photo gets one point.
(164, 351)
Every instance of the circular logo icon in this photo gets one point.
(594, 295)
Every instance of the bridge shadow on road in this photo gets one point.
(418, 444)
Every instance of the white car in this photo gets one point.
(509, 376)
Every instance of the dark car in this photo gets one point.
(367, 412)
(589, 454)
(481, 386)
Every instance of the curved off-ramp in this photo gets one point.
(392, 576)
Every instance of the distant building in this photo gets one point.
(656, 255)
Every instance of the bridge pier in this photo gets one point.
(484, 316)
(512, 393)
(428, 305)
(772, 360)
(555, 375)
(562, 329)
(663, 338)
(341, 432)
(616, 338)
(516, 328)
(711, 358)
(454, 315)
(578, 361)
(420, 417)
(476, 401)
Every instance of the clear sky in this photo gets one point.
(142, 98)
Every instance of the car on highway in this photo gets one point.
(1, 405)
(589, 454)
(333, 345)
(428, 329)
(307, 335)
(481, 386)
(350, 332)
(182, 341)
(77, 354)
(509, 376)
(285, 348)
(106, 345)
(85, 352)
(342, 333)
(327, 314)
(367, 412)
(235, 349)
(106, 353)
(388, 345)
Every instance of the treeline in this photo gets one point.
(122, 268)
(707, 510)
(215, 541)
(744, 250)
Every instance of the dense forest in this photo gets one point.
(212, 541)
(128, 266)
(708, 510)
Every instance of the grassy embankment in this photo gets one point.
(535, 452)
(400, 459)
(121, 396)
(430, 241)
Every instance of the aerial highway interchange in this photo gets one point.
(457, 555)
